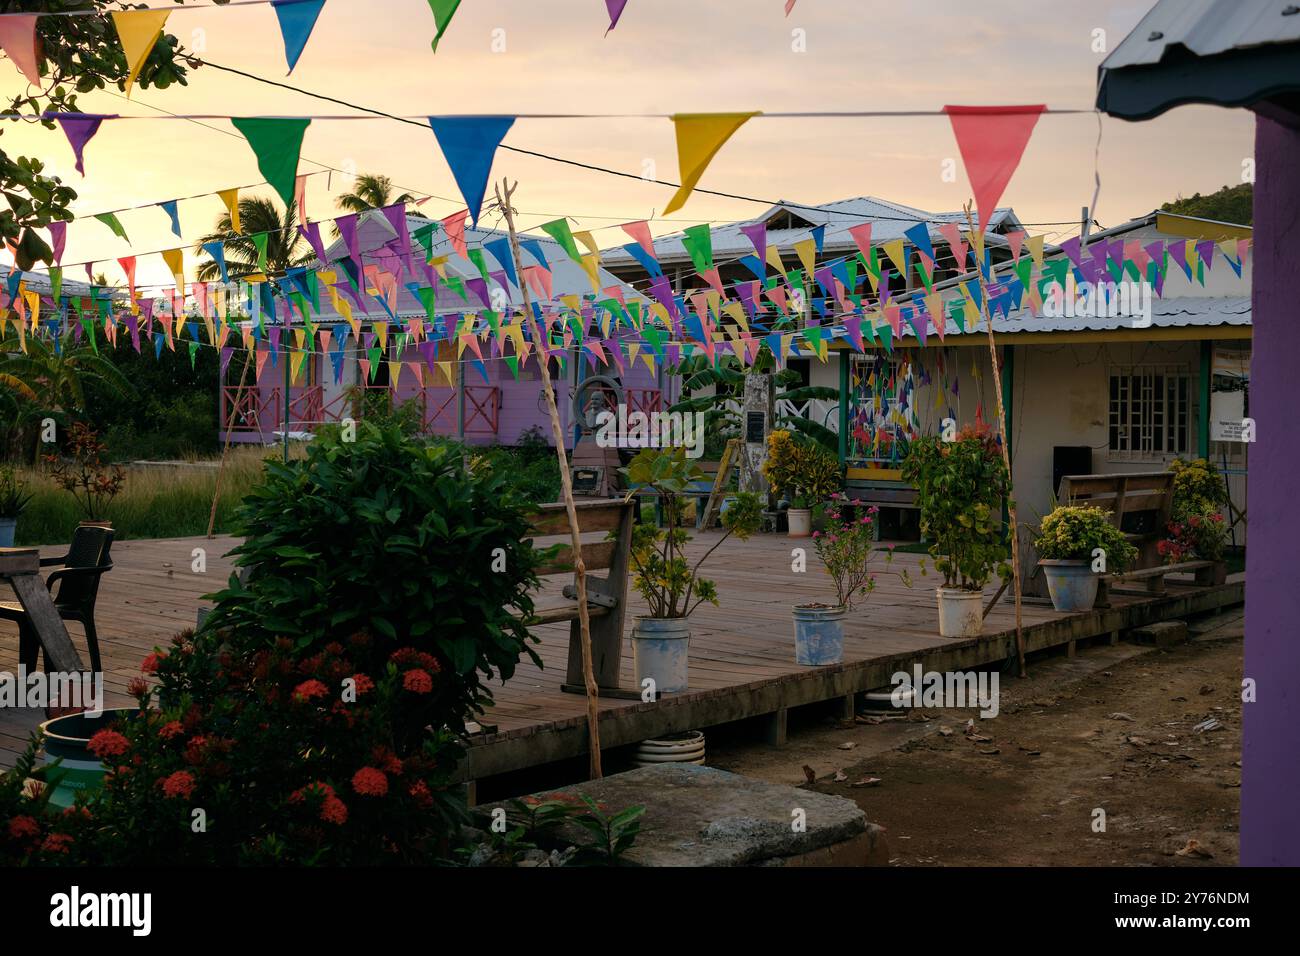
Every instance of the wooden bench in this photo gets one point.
(1147, 495)
(606, 596)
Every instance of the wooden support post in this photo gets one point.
(776, 727)
(504, 193)
(848, 706)
(1005, 436)
(1114, 638)
(1071, 648)
(250, 359)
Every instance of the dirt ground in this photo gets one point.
(1111, 730)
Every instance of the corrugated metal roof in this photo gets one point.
(889, 221)
(40, 282)
(1206, 27)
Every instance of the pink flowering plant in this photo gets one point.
(847, 550)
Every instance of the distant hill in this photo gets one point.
(1229, 204)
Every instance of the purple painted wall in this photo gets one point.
(1270, 784)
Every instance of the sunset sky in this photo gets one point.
(665, 56)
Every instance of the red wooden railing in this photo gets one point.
(260, 412)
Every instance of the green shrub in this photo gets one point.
(1074, 532)
(1198, 487)
(961, 485)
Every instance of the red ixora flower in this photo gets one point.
(137, 687)
(370, 782)
(310, 689)
(406, 657)
(420, 791)
(150, 664)
(173, 728)
(23, 827)
(334, 811)
(57, 843)
(417, 681)
(179, 784)
(108, 743)
(363, 683)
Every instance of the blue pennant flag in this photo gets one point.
(755, 265)
(217, 250)
(819, 236)
(500, 248)
(919, 236)
(169, 207)
(468, 144)
(535, 249)
(648, 262)
(297, 18)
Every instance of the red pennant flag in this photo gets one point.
(862, 236)
(18, 39)
(991, 139)
(455, 228)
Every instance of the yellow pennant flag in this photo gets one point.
(175, 259)
(381, 330)
(1035, 244)
(296, 362)
(699, 137)
(806, 250)
(394, 373)
(231, 199)
(895, 252)
(591, 266)
(649, 360)
(445, 369)
(737, 313)
(588, 240)
(774, 259)
(633, 350)
(138, 30)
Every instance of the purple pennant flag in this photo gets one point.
(1156, 251)
(746, 291)
(854, 329)
(1179, 252)
(480, 289)
(347, 226)
(311, 230)
(133, 326)
(663, 291)
(1205, 249)
(58, 237)
(80, 128)
(396, 216)
(1071, 248)
(757, 233)
(615, 9)
(226, 352)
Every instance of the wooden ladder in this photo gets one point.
(704, 519)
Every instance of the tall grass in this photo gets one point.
(155, 502)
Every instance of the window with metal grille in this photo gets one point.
(1150, 412)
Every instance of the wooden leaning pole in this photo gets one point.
(230, 425)
(1005, 439)
(504, 193)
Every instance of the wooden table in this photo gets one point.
(20, 567)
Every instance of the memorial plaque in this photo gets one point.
(586, 481)
(755, 427)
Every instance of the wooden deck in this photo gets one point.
(741, 658)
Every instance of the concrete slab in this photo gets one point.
(699, 816)
(1161, 633)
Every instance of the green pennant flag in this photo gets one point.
(443, 10)
(1024, 271)
(194, 350)
(699, 244)
(373, 354)
(424, 236)
(476, 257)
(559, 231)
(313, 290)
(260, 240)
(813, 334)
(110, 219)
(56, 282)
(513, 362)
(276, 143)
(493, 321)
(428, 299)
(957, 311)
(925, 276)
(457, 285)
(89, 329)
(887, 337)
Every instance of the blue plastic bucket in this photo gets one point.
(65, 739)
(818, 635)
(1071, 583)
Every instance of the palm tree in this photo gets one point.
(369, 191)
(284, 247)
(53, 380)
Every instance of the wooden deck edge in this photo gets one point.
(561, 740)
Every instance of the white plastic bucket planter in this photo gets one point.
(7, 529)
(678, 748)
(659, 652)
(961, 613)
(800, 522)
(818, 635)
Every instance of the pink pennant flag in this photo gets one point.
(951, 231)
(18, 39)
(992, 139)
(454, 225)
(300, 196)
(640, 231)
(128, 266)
(615, 292)
(200, 296)
(1016, 239)
(789, 5)
(861, 234)
(714, 279)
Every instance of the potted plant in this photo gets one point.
(961, 485)
(85, 474)
(13, 500)
(805, 473)
(662, 574)
(1197, 530)
(1076, 544)
(846, 548)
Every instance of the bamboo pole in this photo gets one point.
(221, 469)
(504, 192)
(1002, 434)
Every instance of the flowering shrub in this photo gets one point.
(1074, 532)
(319, 715)
(960, 486)
(1198, 486)
(847, 548)
(1197, 537)
(806, 473)
(85, 475)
